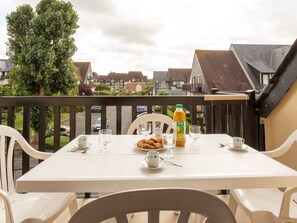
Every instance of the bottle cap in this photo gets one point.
(179, 106)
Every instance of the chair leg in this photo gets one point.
(73, 207)
(264, 217)
(232, 204)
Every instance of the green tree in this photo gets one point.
(7, 90)
(41, 46)
(102, 87)
(164, 92)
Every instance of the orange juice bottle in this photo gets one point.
(179, 118)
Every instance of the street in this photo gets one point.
(111, 116)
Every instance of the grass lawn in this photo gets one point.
(63, 140)
(19, 120)
(19, 126)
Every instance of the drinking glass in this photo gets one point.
(105, 138)
(195, 132)
(168, 141)
(145, 129)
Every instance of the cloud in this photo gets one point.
(91, 6)
(148, 35)
(131, 31)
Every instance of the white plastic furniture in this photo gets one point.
(153, 201)
(210, 167)
(268, 205)
(29, 207)
(156, 120)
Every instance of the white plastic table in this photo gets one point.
(207, 167)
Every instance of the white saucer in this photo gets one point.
(243, 149)
(145, 165)
(77, 148)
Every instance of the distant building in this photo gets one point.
(5, 68)
(218, 69)
(84, 72)
(161, 81)
(135, 87)
(172, 80)
(120, 80)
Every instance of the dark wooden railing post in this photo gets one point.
(214, 112)
(26, 134)
(251, 121)
(42, 128)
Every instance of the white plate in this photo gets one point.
(145, 165)
(143, 149)
(76, 148)
(149, 149)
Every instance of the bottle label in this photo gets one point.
(180, 131)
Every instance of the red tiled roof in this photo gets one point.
(132, 86)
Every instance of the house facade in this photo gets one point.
(277, 105)
(5, 67)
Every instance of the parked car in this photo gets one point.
(141, 109)
(97, 125)
(64, 131)
(96, 109)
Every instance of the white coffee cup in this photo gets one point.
(82, 141)
(152, 158)
(238, 142)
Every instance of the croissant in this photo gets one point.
(152, 143)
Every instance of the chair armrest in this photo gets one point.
(7, 207)
(274, 153)
(29, 149)
(39, 155)
(285, 205)
(284, 148)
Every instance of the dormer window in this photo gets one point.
(265, 78)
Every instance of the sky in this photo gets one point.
(154, 35)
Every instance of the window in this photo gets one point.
(265, 78)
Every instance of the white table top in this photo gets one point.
(207, 167)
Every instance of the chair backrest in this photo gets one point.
(9, 139)
(284, 148)
(6, 206)
(156, 120)
(153, 201)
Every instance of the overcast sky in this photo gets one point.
(154, 35)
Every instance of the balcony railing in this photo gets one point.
(231, 114)
(193, 88)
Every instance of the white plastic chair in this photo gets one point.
(28, 207)
(157, 120)
(268, 205)
(153, 201)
